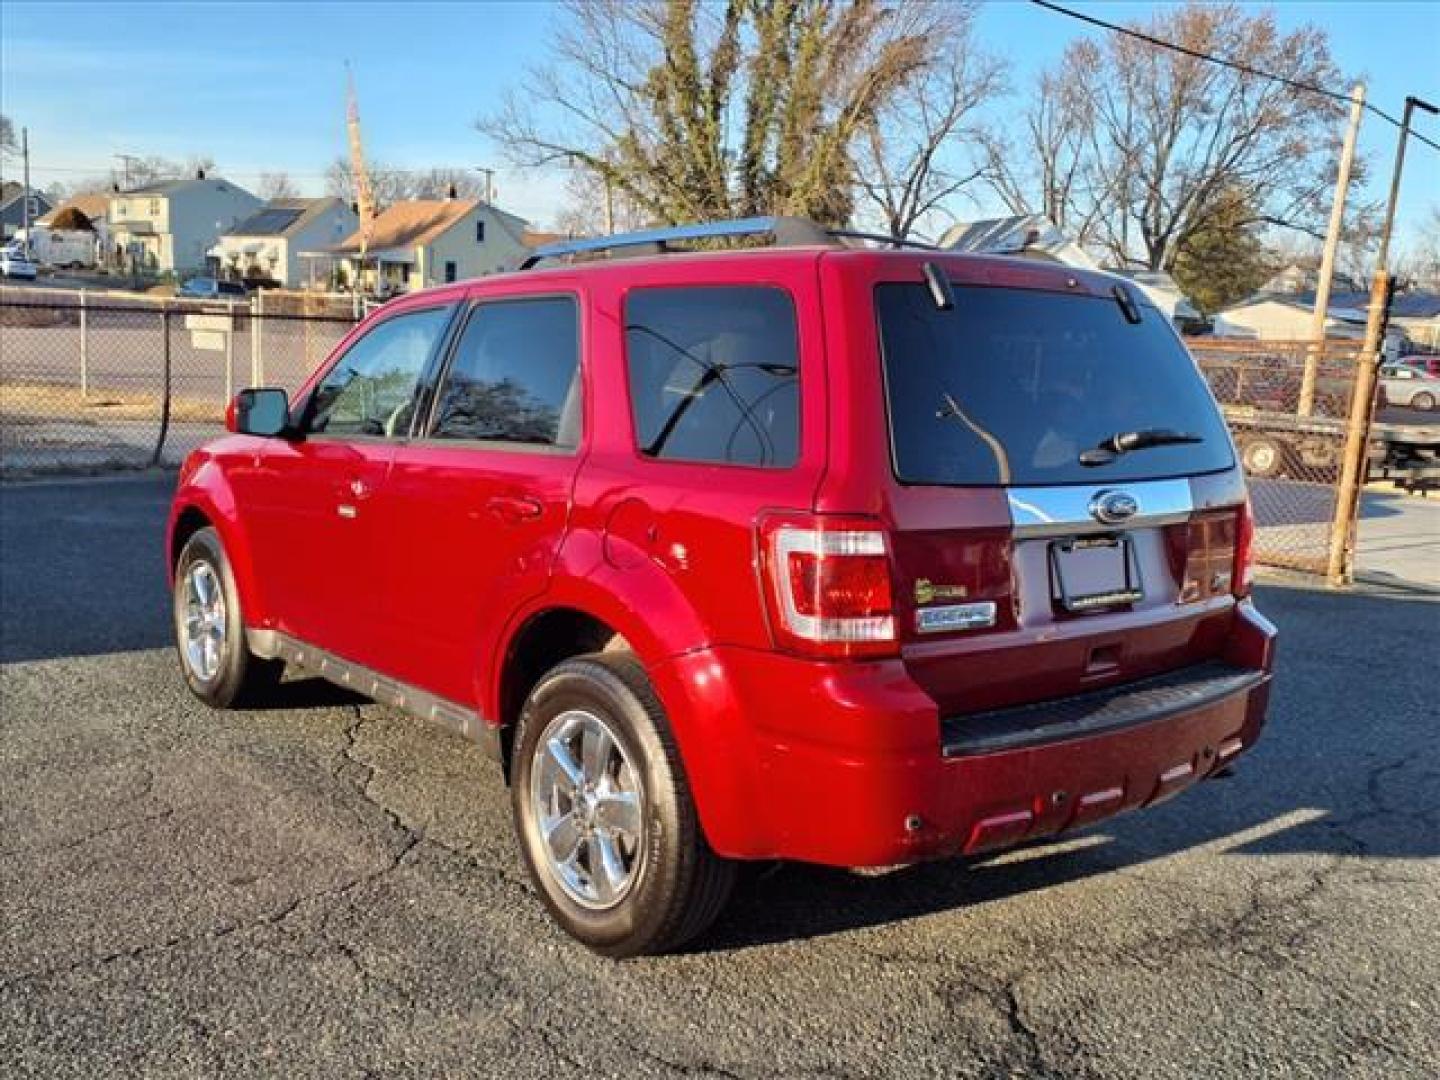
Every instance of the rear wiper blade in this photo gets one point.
(1123, 442)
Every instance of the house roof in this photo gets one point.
(1030, 234)
(1351, 306)
(536, 238)
(11, 191)
(410, 224)
(174, 185)
(95, 205)
(284, 217)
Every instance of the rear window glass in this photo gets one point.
(1011, 385)
(714, 374)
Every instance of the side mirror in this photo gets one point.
(263, 411)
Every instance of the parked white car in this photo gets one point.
(1409, 386)
(14, 263)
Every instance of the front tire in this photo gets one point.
(603, 812)
(210, 629)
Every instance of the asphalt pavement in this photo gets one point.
(328, 888)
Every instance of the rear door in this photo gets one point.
(1032, 562)
(476, 508)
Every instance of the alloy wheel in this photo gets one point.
(588, 806)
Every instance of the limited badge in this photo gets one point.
(955, 617)
(927, 592)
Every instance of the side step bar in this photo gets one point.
(275, 645)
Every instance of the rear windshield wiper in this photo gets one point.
(1125, 441)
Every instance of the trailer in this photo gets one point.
(1281, 444)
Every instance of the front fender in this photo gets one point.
(204, 488)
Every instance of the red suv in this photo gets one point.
(811, 551)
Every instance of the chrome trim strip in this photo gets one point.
(1064, 510)
(275, 645)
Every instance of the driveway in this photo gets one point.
(327, 888)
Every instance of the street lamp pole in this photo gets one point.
(1341, 570)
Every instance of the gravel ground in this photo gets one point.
(329, 888)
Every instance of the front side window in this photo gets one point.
(371, 390)
(714, 374)
(515, 376)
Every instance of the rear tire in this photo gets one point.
(603, 812)
(209, 627)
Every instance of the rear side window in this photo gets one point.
(714, 374)
(1012, 385)
(371, 389)
(515, 376)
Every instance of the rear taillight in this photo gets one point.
(1244, 549)
(827, 584)
(1217, 555)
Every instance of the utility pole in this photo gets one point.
(1327, 260)
(125, 160)
(1362, 401)
(25, 191)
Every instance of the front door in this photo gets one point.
(313, 508)
(479, 504)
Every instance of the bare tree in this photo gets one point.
(388, 185)
(594, 208)
(695, 111)
(924, 147)
(7, 136)
(1131, 147)
(276, 185)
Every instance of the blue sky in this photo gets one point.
(260, 86)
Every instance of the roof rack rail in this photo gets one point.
(786, 231)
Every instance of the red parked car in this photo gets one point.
(818, 552)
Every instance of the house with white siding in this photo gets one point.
(422, 242)
(170, 226)
(266, 246)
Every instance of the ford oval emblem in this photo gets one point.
(1113, 507)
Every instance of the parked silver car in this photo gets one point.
(16, 263)
(1409, 386)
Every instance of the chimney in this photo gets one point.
(452, 194)
(199, 174)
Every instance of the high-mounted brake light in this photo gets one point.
(827, 583)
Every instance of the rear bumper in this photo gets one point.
(853, 766)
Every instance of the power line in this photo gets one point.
(1234, 65)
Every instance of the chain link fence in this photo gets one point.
(90, 382)
(1288, 406)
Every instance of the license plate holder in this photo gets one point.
(1095, 573)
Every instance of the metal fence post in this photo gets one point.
(165, 399)
(257, 312)
(84, 349)
(230, 353)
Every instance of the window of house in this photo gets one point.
(479, 232)
(371, 390)
(515, 376)
(154, 207)
(451, 271)
(714, 374)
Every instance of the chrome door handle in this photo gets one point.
(514, 508)
(345, 510)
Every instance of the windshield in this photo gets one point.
(1012, 386)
